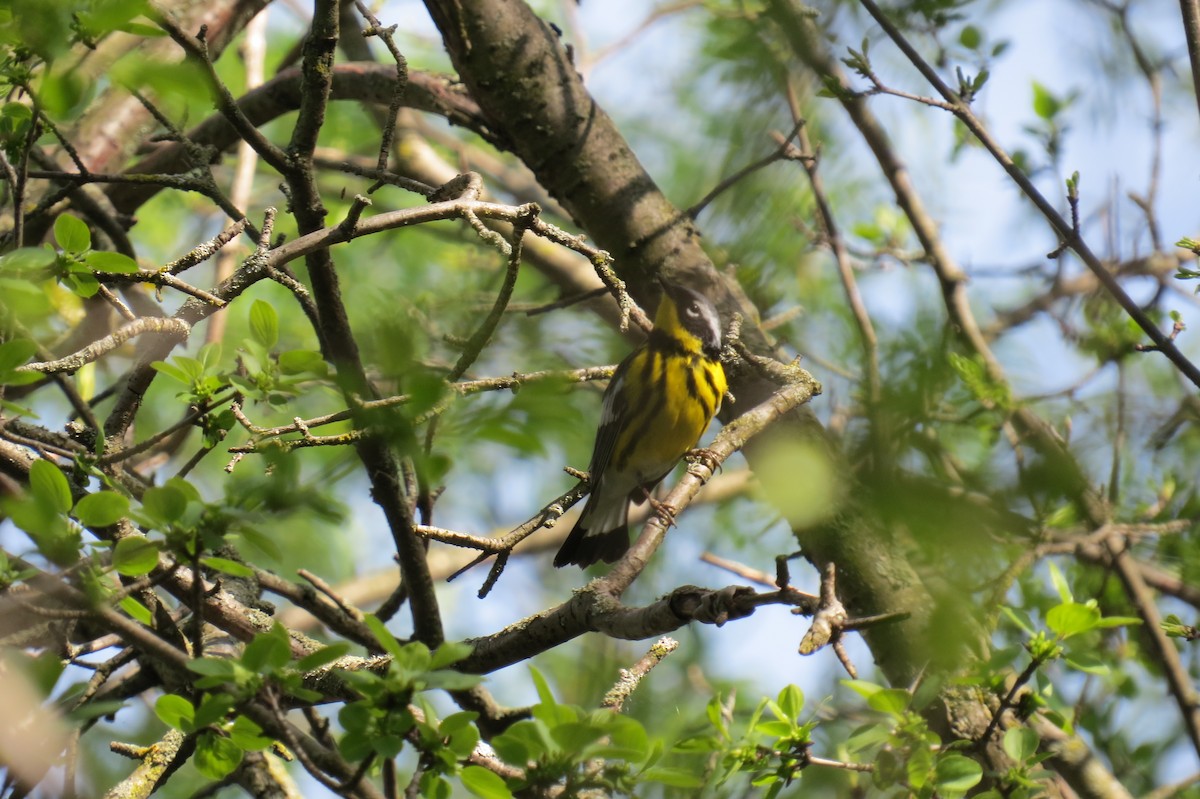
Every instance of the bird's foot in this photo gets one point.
(707, 457)
(665, 510)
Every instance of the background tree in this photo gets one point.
(279, 346)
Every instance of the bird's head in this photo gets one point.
(689, 317)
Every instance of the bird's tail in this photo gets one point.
(602, 532)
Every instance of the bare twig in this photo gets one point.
(630, 678)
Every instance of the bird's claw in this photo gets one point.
(707, 457)
(665, 510)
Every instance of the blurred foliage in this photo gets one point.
(935, 455)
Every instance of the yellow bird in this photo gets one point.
(658, 404)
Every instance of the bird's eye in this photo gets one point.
(693, 310)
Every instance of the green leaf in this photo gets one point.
(15, 353)
(230, 567)
(216, 757)
(576, 736)
(260, 542)
(94, 710)
(452, 680)
(970, 37)
(955, 775)
(545, 696)
(434, 785)
(893, 701)
(521, 743)
(247, 735)
(1060, 583)
(628, 740)
(355, 746)
(136, 610)
(112, 262)
(867, 736)
(49, 485)
(214, 667)
(1020, 618)
(1020, 743)
(164, 504)
(791, 702)
(84, 285)
(457, 721)
(213, 708)
(264, 324)
(322, 657)
(483, 783)
(384, 636)
(28, 259)
(776, 729)
(1118, 621)
(135, 555)
(175, 711)
(462, 742)
(1045, 104)
(449, 653)
(1088, 662)
(171, 371)
(268, 651)
(674, 777)
(294, 362)
(863, 688)
(1072, 618)
(102, 508)
(72, 233)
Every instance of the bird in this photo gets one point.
(659, 402)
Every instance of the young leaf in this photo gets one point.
(674, 777)
(112, 262)
(247, 735)
(1020, 743)
(16, 352)
(791, 702)
(134, 556)
(27, 259)
(136, 610)
(322, 657)
(268, 651)
(483, 783)
(1072, 618)
(955, 775)
(49, 486)
(175, 711)
(1060, 583)
(213, 708)
(165, 504)
(450, 653)
(230, 567)
(892, 701)
(102, 508)
(216, 756)
(264, 324)
(383, 636)
(72, 233)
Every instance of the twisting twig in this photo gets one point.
(398, 90)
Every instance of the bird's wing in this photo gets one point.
(613, 416)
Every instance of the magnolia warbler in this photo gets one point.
(657, 405)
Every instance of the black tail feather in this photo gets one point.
(584, 547)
